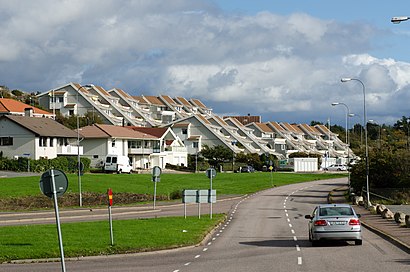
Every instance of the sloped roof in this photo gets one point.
(310, 129)
(110, 131)
(156, 132)
(263, 127)
(277, 126)
(221, 121)
(8, 105)
(153, 100)
(198, 103)
(170, 100)
(184, 101)
(46, 127)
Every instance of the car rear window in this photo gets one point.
(335, 211)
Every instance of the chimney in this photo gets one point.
(28, 112)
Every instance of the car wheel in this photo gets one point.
(358, 242)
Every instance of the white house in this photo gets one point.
(145, 147)
(35, 137)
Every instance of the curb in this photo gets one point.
(403, 246)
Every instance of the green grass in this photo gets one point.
(224, 183)
(93, 238)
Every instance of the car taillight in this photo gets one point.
(354, 222)
(320, 223)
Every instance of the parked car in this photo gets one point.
(247, 169)
(334, 222)
(336, 167)
(117, 163)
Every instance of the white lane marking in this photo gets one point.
(210, 243)
(287, 215)
(288, 220)
(286, 210)
(284, 206)
(218, 234)
(176, 270)
(186, 264)
(197, 256)
(299, 260)
(213, 239)
(293, 232)
(290, 226)
(205, 249)
(297, 248)
(295, 238)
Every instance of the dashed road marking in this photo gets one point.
(299, 260)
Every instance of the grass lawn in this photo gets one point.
(224, 183)
(93, 238)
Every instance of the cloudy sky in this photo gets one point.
(279, 59)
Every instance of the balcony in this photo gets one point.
(69, 150)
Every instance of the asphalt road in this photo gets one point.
(265, 232)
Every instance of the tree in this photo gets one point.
(217, 154)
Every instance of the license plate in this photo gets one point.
(337, 223)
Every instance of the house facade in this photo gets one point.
(36, 138)
(145, 147)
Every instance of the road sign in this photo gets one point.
(210, 173)
(109, 192)
(156, 171)
(60, 179)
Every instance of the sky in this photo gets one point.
(281, 60)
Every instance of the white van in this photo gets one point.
(117, 163)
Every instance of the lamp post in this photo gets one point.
(347, 135)
(233, 154)
(365, 134)
(78, 145)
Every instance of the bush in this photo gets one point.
(66, 164)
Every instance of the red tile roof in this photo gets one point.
(11, 106)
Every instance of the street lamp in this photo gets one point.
(78, 145)
(399, 19)
(365, 134)
(234, 142)
(347, 134)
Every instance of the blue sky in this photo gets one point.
(282, 60)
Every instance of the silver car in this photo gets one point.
(334, 222)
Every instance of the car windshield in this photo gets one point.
(335, 211)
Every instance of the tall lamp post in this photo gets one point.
(347, 135)
(365, 134)
(78, 145)
(234, 142)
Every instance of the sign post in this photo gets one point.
(109, 192)
(156, 173)
(210, 173)
(54, 183)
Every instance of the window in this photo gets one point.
(71, 112)
(113, 143)
(95, 156)
(195, 144)
(42, 141)
(51, 141)
(184, 131)
(6, 141)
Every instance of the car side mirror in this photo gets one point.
(308, 216)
